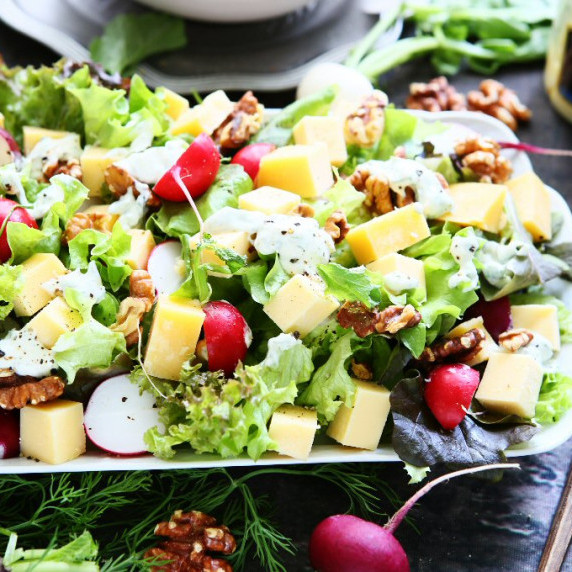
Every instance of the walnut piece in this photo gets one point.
(437, 95)
(337, 226)
(141, 286)
(364, 127)
(120, 181)
(376, 189)
(69, 166)
(18, 391)
(361, 370)
(243, 122)
(459, 348)
(364, 321)
(493, 98)
(513, 340)
(81, 221)
(304, 210)
(190, 537)
(483, 156)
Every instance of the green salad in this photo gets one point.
(220, 278)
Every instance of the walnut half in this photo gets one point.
(437, 95)
(18, 391)
(364, 127)
(483, 156)
(460, 348)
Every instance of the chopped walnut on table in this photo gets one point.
(513, 340)
(483, 156)
(337, 226)
(493, 98)
(364, 127)
(191, 538)
(243, 122)
(459, 348)
(17, 391)
(437, 95)
(364, 321)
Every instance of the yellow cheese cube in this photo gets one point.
(55, 319)
(318, 129)
(176, 104)
(205, 117)
(269, 200)
(388, 233)
(174, 334)
(398, 268)
(478, 204)
(300, 305)
(2, 120)
(33, 135)
(488, 346)
(532, 201)
(539, 318)
(39, 268)
(52, 432)
(142, 243)
(510, 384)
(301, 169)
(94, 161)
(293, 428)
(362, 425)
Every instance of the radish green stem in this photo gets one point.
(398, 517)
(535, 149)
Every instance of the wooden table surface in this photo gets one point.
(468, 525)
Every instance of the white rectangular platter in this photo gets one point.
(325, 451)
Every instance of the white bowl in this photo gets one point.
(228, 11)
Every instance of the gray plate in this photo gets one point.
(271, 55)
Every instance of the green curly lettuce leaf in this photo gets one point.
(555, 398)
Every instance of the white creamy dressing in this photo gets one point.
(21, 352)
(397, 282)
(88, 284)
(539, 349)
(49, 150)
(300, 243)
(45, 200)
(276, 347)
(501, 262)
(463, 250)
(11, 183)
(150, 165)
(131, 209)
(407, 173)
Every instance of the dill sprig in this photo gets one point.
(121, 509)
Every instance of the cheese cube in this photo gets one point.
(39, 268)
(362, 425)
(205, 117)
(488, 346)
(33, 135)
(293, 428)
(269, 200)
(94, 161)
(55, 319)
(329, 130)
(2, 120)
(174, 334)
(388, 233)
(176, 104)
(142, 243)
(396, 268)
(511, 384)
(478, 204)
(52, 432)
(301, 169)
(539, 318)
(532, 201)
(300, 305)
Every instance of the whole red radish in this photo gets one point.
(197, 168)
(449, 392)
(227, 336)
(249, 157)
(496, 315)
(346, 543)
(9, 434)
(9, 148)
(10, 210)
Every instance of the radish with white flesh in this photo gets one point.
(227, 336)
(164, 266)
(346, 543)
(9, 149)
(9, 434)
(118, 415)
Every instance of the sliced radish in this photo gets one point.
(9, 434)
(118, 415)
(163, 266)
(9, 148)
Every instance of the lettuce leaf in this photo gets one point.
(227, 416)
(11, 283)
(555, 398)
(89, 345)
(341, 196)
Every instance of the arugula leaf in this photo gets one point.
(11, 283)
(131, 38)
